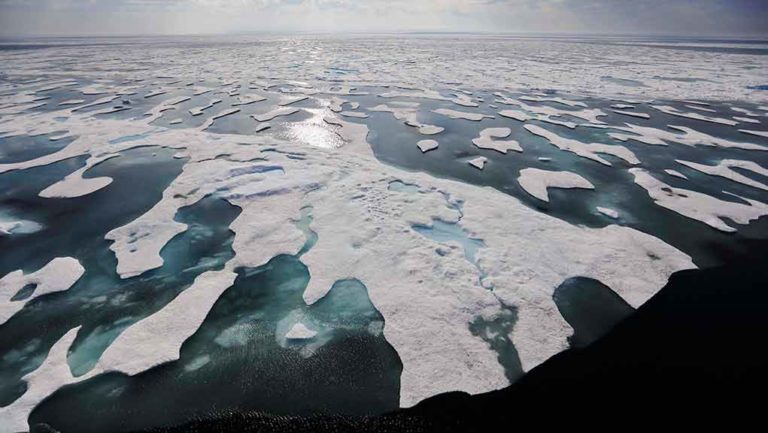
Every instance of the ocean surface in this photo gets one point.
(280, 181)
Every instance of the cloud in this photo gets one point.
(114, 17)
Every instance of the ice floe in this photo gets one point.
(633, 114)
(675, 173)
(71, 102)
(555, 100)
(197, 111)
(479, 162)
(300, 331)
(58, 275)
(584, 150)
(536, 181)
(680, 134)
(725, 169)
(696, 116)
(277, 112)
(488, 139)
(608, 212)
(515, 114)
(50, 376)
(699, 206)
(75, 185)
(248, 99)
(427, 145)
(763, 134)
(454, 114)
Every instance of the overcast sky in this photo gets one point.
(121, 17)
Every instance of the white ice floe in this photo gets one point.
(746, 112)
(408, 113)
(225, 113)
(536, 181)
(590, 115)
(177, 101)
(430, 129)
(454, 114)
(157, 339)
(515, 114)
(608, 212)
(75, 185)
(479, 162)
(747, 120)
(300, 331)
(197, 111)
(336, 104)
(584, 150)
(355, 114)
(50, 376)
(96, 103)
(555, 100)
(696, 116)
(680, 134)
(71, 102)
(699, 206)
(763, 134)
(277, 112)
(458, 98)
(725, 169)
(290, 100)
(633, 114)
(156, 92)
(248, 99)
(488, 139)
(700, 108)
(427, 145)
(58, 275)
(675, 173)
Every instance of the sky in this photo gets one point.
(20, 18)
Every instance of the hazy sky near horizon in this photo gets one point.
(130, 17)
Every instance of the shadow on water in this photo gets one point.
(590, 307)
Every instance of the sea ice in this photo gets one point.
(536, 181)
(696, 116)
(478, 163)
(633, 114)
(487, 140)
(515, 114)
(58, 275)
(300, 331)
(608, 212)
(763, 134)
(725, 169)
(698, 206)
(584, 150)
(75, 185)
(675, 173)
(277, 112)
(427, 145)
(454, 114)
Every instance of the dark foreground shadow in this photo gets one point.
(694, 353)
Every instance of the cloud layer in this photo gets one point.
(119, 17)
